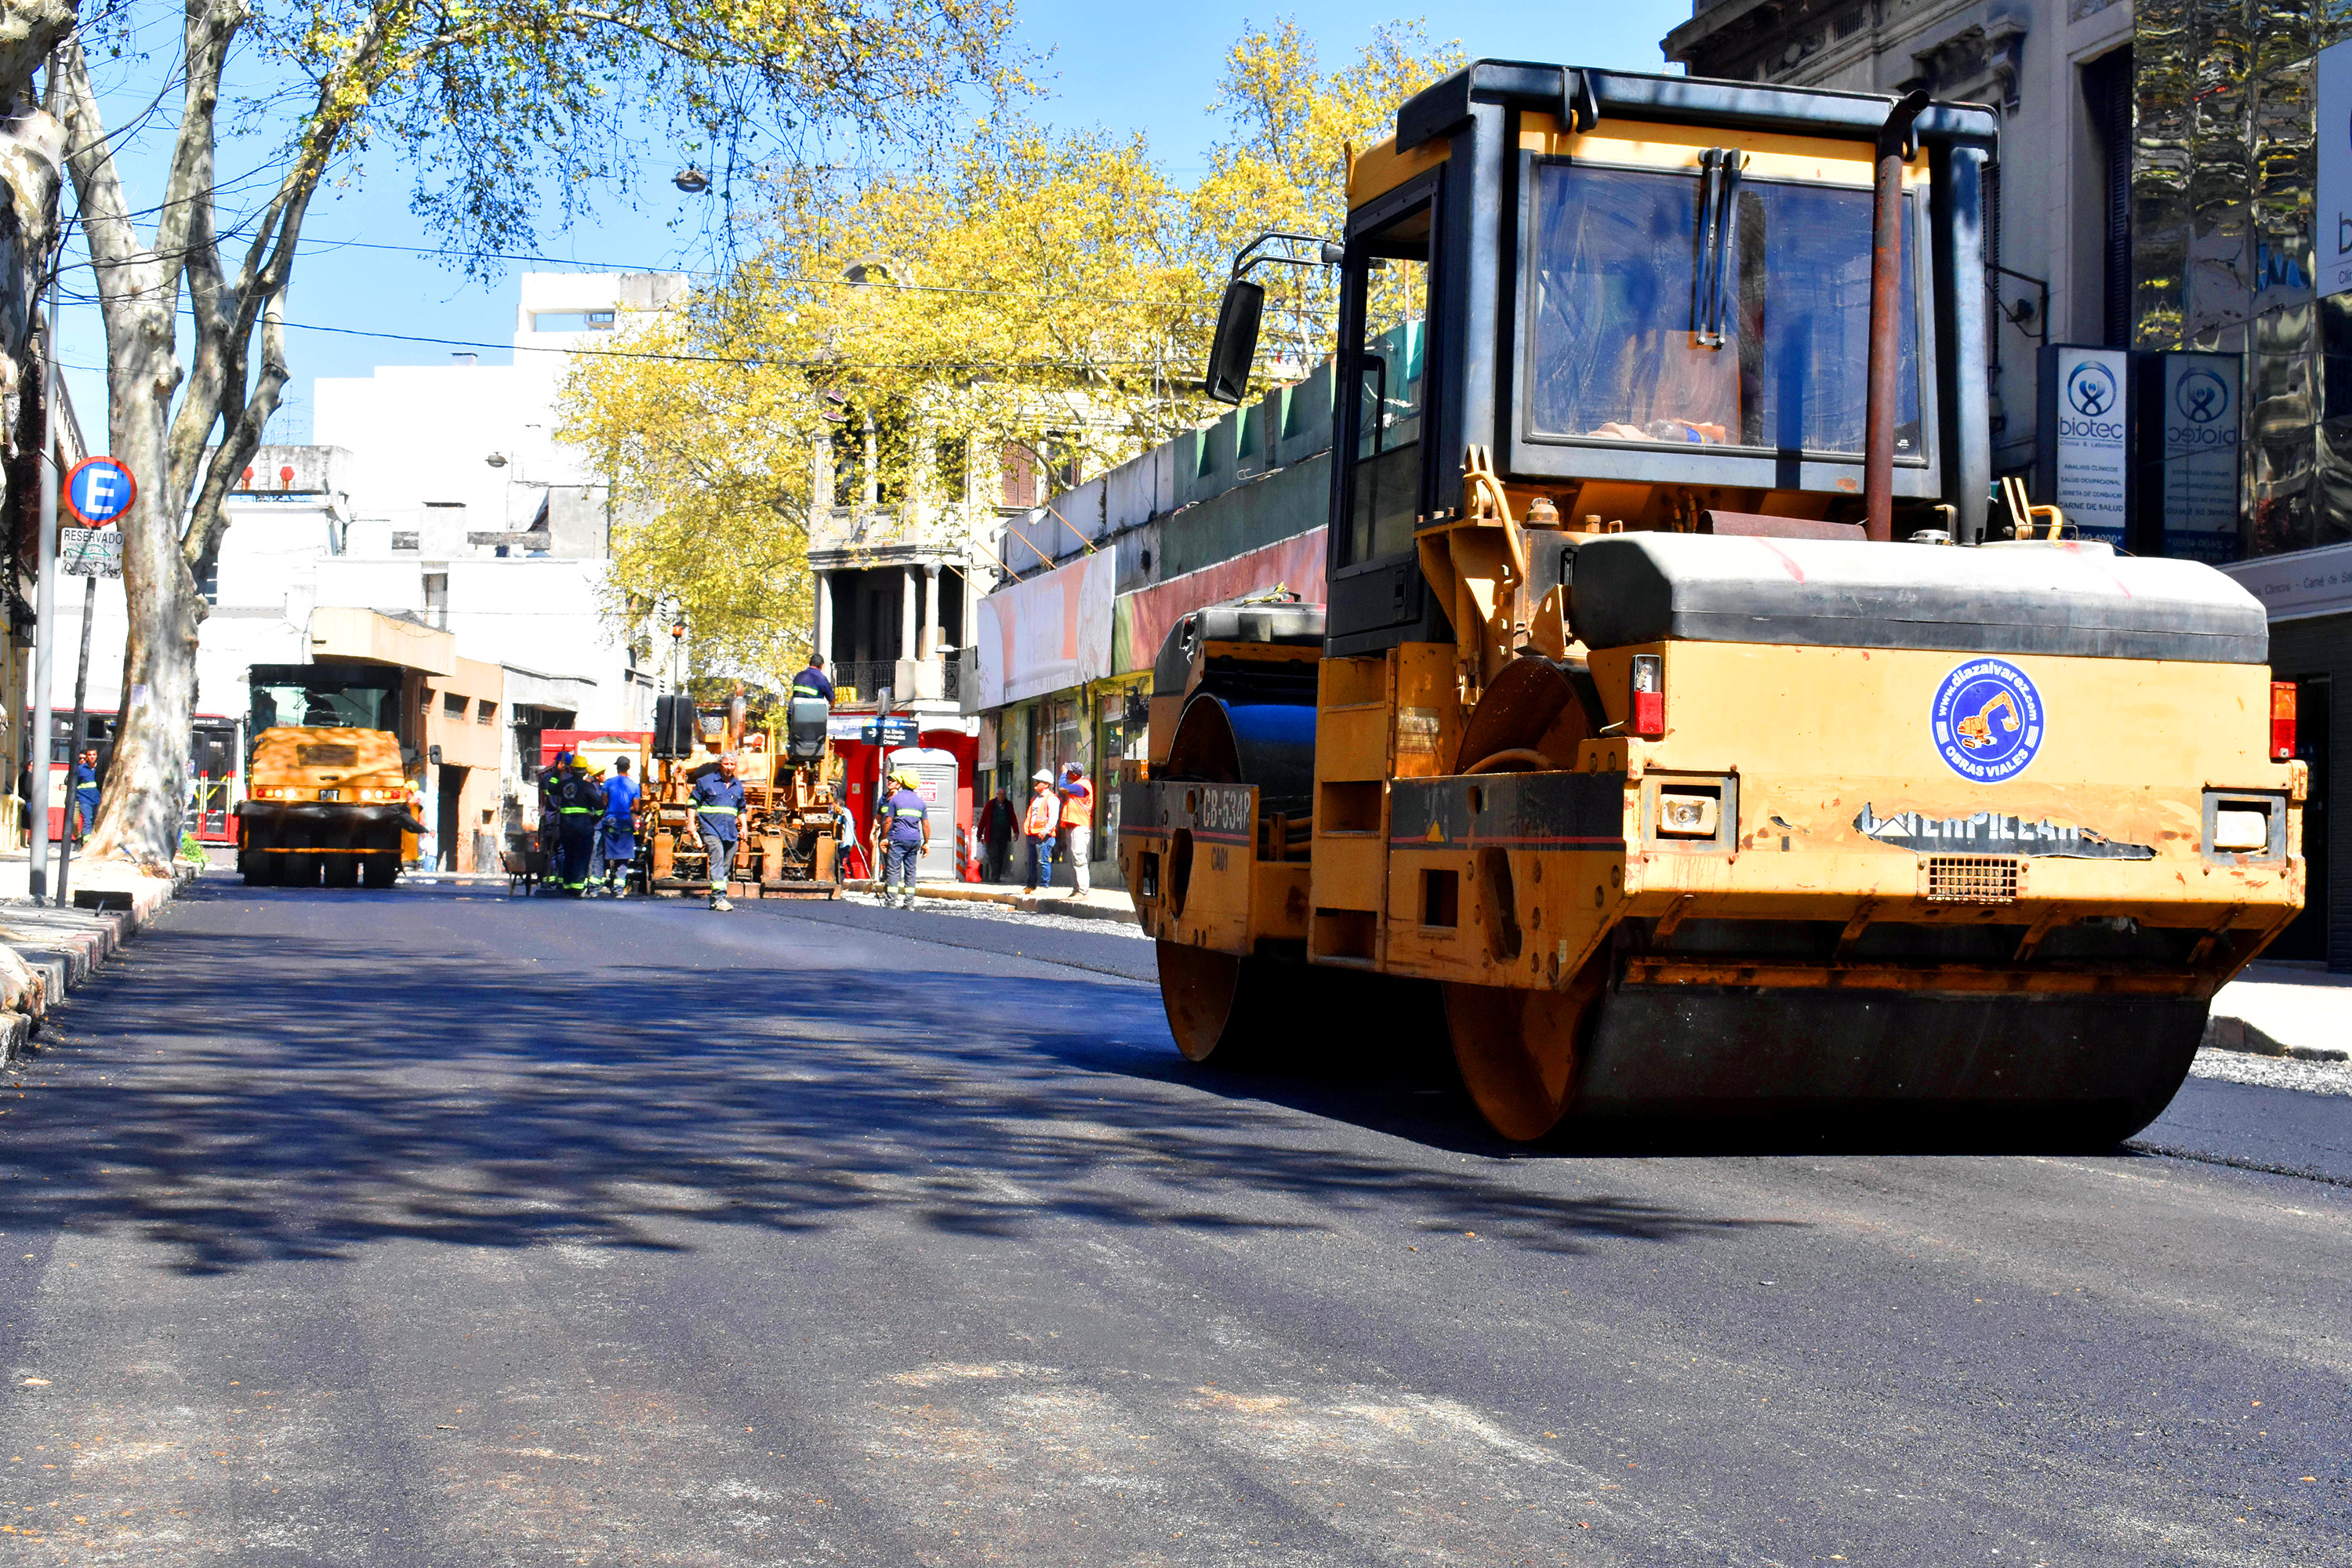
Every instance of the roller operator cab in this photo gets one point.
(1686, 715)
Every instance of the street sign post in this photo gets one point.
(98, 490)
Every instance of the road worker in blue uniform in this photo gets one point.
(618, 832)
(579, 807)
(85, 792)
(718, 801)
(812, 681)
(902, 831)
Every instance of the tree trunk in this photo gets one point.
(141, 808)
(32, 146)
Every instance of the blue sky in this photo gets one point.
(1155, 73)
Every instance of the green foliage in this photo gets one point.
(1036, 299)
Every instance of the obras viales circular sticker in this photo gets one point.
(1988, 720)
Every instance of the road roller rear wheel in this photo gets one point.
(260, 869)
(341, 871)
(1518, 1051)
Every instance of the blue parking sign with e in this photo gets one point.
(99, 490)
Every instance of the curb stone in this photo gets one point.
(66, 946)
(2223, 1032)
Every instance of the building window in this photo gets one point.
(953, 462)
(404, 539)
(1020, 476)
(453, 704)
(572, 320)
(485, 712)
(2107, 95)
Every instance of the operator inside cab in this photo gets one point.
(812, 681)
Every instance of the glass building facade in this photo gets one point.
(2224, 161)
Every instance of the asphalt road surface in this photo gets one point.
(433, 1227)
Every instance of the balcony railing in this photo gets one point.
(866, 676)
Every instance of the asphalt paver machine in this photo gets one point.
(789, 836)
(1687, 721)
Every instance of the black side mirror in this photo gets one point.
(1235, 349)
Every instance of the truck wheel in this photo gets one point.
(378, 870)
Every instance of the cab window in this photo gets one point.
(1391, 268)
(1648, 325)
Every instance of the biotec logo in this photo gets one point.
(2092, 393)
(2200, 413)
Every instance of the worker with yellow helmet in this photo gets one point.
(902, 831)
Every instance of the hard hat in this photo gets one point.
(1041, 776)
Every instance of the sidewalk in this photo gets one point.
(2284, 1010)
(46, 951)
(1101, 904)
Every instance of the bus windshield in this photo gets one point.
(1647, 323)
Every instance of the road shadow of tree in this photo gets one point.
(324, 1100)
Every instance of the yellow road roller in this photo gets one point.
(1688, 718)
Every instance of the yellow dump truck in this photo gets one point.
(1686, 716)
(328, 798)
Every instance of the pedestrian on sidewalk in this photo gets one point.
(1037, 826)
(1078, 827)
(996, 820)
(618, 836)
(85, 795)
(718, 800)
(902, 831)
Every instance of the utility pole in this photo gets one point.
(74, 747)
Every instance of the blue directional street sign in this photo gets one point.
(99, 490)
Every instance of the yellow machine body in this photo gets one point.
(326, 805)
(1696, 831)
(788, 838)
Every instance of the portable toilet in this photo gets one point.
(937, 780)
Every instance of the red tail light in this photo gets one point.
(2281, 720)
(1649, 719)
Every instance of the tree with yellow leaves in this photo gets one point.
(1052, 294)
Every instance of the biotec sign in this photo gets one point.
(2332, 196)
(2093, 459)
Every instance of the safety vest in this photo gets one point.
(1039, 821)
(1078, 809)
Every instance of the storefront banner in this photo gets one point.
(1146, 615)
(2332, 197)
(1048, 633)
(2200, 420)
(2091, 447)
(2306, 583)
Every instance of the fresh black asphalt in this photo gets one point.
(430, 1227)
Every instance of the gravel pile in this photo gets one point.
(977, 909)
(2275, 1072)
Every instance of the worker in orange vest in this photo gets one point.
(1037, 826)
(1077, 825)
